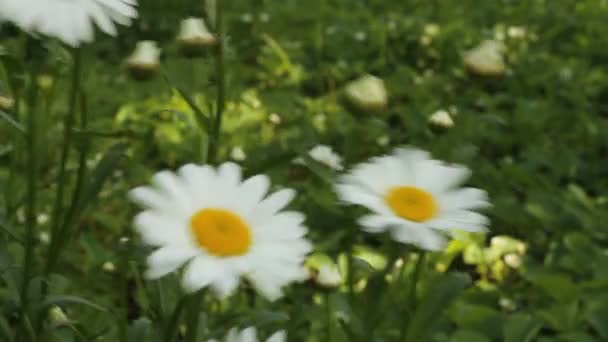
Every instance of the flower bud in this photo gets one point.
(367, 94)
(513, 260)
(7, 103)
(328, 276)
(144, 62)
(194, 37)
(237, 153)
(57, 315)
(486, 59)
(441, 119)
(108, 267)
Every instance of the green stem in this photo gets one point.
(415, 278)
(68, 124)
(221, 84)
(31, 197)
(329, 309)
(192, 316)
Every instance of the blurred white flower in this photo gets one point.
(486, 59)
(123, 240)
(325, 155)
(42, 218)
(7, 103)
(222, 228)
(246, 17)
(70, 21)
(250, 335)
(415, 198)
(383, 140)
(441, 119)
(274, 118)
(516, 32)
(360, 36)
(44, 237)
(507, 304)
(431, 29)
(264, 17)
(194, 36)
(237, 153)
(367, 93)
(145, 60)
(108, 267)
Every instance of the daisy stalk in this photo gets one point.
(58, 232)
(214, 140)
(32, 193)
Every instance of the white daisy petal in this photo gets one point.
(70, 21)
(250, 335)
(158, 230)
(199, 273)
(425, 238)
(464, 199)
(167, 259)
(279, 336)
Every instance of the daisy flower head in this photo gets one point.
(250, 335)
(223, 228)
(70, 21)
(415, 198)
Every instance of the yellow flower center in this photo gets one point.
(411, 203)
(221, 232)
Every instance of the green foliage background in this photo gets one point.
(534, 138)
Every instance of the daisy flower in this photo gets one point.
(70, 21)
(415, 198)
(222, 228)
(250, 335)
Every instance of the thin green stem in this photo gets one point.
(221, 84)
(415, 278)
(68, 123)
(192, 316)
(329, 313)
(31, 197)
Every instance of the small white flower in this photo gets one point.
(442, 119)
(145, 60)
(7, 103)
(42, 218)
(123, 240)
(367, 93)
(222, 228)
(486, 59)
(360, 36)
(431, 29)
(415, 198)
(250, 335)
(70, 21)
(237, 154)
(108, 267)
(325, 155)
(194, 35)
(264, 17)
(44, 237)
(516, 32)
(383, 140)
(246, 17)
(274, 118)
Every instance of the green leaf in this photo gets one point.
(64, 299)
(469, 336)
(521, 328)
(437, 298)
(12, 122)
